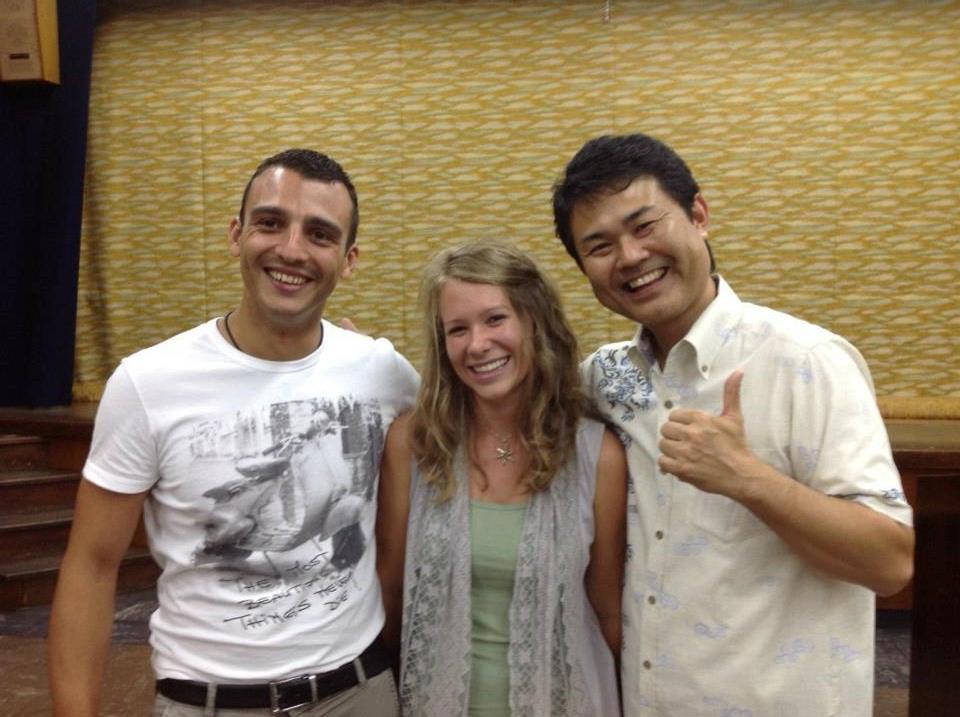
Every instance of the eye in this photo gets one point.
(268, 223)
(598, 249)
(496, 319)
(455, 331)
(644, 229)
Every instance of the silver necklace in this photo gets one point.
(504, 449)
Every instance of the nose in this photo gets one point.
(292, 246)
(633, 251)
(479, 341)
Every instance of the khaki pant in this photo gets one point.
(377, 697)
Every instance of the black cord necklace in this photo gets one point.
(226, 327)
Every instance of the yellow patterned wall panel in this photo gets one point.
(824, 135)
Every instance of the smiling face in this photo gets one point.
(485, 340)
(292, 248)
(645, 258)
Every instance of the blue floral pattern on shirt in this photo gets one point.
(621, 388)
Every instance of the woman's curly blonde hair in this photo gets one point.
(553, 402)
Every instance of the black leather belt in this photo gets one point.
(282, 695)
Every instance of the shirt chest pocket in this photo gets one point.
(724, 518)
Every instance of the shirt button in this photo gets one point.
(647, 665)
(659, 535)
(652, 600)
(668, 404)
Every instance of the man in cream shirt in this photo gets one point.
(765, 509)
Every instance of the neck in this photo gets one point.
(667, 336)
(269, 341)
(498, 419)
(661, 347)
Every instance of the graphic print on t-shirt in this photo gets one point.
(288, 524)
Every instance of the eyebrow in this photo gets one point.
(628, 219)
(485, 314)
(266, 209)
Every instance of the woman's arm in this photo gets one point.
(604, 578)
(393, 505)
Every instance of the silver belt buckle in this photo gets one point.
(276, 689)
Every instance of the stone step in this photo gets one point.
(19, 452)
(47, 488)
(30, 533)
(41, 454)
(31, 581)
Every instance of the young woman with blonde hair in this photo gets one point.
(502, 506)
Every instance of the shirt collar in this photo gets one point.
(709, 333)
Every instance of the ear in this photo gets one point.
(700, 214)
(233, 236)
(350, 261)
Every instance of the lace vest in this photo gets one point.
(560, 665)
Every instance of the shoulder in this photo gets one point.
(791, 333)
(400, 433)
(607, 360)
(788, 345)
(384, 370)
(611, 478)
(785, 328)
(608, 352)
(199, 338)
(398, 450)
(612, 455)
(361, 345)
(598, 440)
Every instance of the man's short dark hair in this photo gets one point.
(310, 165)
(609, 164)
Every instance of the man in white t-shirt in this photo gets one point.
(765, 509)
(252, 444)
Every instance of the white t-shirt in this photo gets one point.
(721, 618)
(262, 479)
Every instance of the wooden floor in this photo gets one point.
(128, 691)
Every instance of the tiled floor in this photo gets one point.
(129, 686)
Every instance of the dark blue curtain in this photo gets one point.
(43, 137)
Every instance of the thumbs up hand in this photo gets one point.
(709, 452)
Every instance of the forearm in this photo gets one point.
(611, 626)
(82, 613)
(79, 639)
(837, 536)
(393, 606)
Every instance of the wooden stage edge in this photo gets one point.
(907, 434)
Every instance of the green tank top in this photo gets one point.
(494, 536)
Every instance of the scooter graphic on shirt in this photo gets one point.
(295, 491)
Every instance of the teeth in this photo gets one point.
(490, 365)
(286, 278)
(645, 279)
